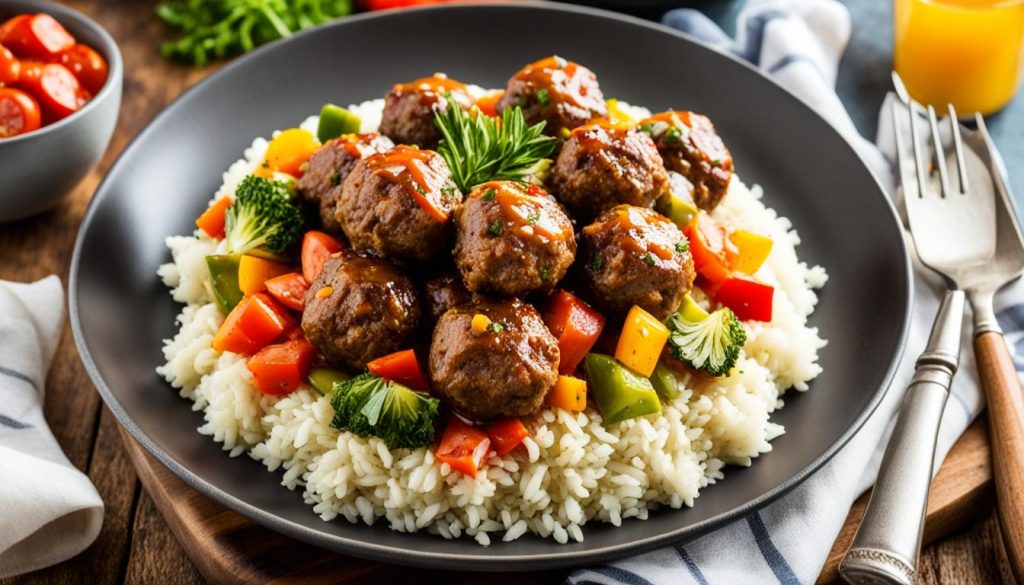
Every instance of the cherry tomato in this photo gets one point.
(10, 67)
(57, 90)
(19, 113)
(39, 36)
(87, 65)
(12, 22)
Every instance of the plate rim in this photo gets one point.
(454, 561)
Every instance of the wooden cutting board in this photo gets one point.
(228, 548)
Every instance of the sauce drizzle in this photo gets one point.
(409, 167)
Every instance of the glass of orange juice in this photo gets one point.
(966, 52)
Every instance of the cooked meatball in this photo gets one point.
(408, 116)
(505, 368)
(559, 92)
(690, 146)
(359, 308)
(635, 256)
(441, 293)
(603, 165)
(398, 203)
(329, 166)
(512, 239)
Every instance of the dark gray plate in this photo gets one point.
(120, 311)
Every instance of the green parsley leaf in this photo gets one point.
(649, 259)
(533, 217)
(597, 263)
(496, 228)
(490, 194)
(496, 327)
(544, 272)
(674, 135)
(647, 128)
(543, 97)
(682, 247)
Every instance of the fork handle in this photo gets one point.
(888, 542)
(1006, 430)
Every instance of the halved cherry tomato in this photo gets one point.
(213, 219)
(19, 113)
(87, 65)
(252, 325)
(289, 290)
(463, 447)
(401, 367)
(506, 435)
(10, 23)
(57, 90)
(710, 247)
(316, 247)
(39, 36)
(279, 369)
(10, 67)
(576, 325)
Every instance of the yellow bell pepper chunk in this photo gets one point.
(253, 272)
(641, 341)
(752, 250)
(568, 393)
(288, 153)
(617, 115)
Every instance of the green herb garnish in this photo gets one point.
(682, 247)
(649, 259)
(543, 97)
(673, 135)
(496, 228)
(533, 217)
(490, 194)
(597, 263)
(496, 327)
(479, 148)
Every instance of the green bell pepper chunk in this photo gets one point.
(679, 208)
(665, 382)
(335, 121)
(223, 281)
(691, 311)
(620, 393)
(323, 379)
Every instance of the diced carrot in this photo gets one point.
(316, 247)
(289, 290)
(506, 435)
(401, 367)
(279, 369)
(252, 325)
(568, 393)
(254, 272)
(213, 219)
(576, 325)
(463, 447)
(641, 341)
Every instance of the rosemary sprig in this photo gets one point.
(479, 148)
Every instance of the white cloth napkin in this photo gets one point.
(799, 43)
(49, 510)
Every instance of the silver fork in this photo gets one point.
(952, 223)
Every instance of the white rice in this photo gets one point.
(573, 469)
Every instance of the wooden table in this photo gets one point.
(135, 544)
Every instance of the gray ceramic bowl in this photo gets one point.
(120, 310)
(39, 168)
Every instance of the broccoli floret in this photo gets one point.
(369, 405)
(711, 344)
(262, 215)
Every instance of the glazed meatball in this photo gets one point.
(603, 165)
(512, 239)
(559, 92)
(441, 293)
(409, 108)
(398, 203)
(320, 185)
(358, 309)
(635, 256)
(690, 146)
(504, 368)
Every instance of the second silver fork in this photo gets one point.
(951, 223)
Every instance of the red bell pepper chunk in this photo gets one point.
(710, 247)
(749, 299)
(280, 369)
(316, 247)
(463, 447)
(289, 290)
(401, 367)
(506, 435)
(576, 325)
(252, 325)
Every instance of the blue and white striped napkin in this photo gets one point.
(49, 510)
(800, 43)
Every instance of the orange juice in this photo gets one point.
(965, 52)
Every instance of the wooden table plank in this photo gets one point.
(136, 544)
